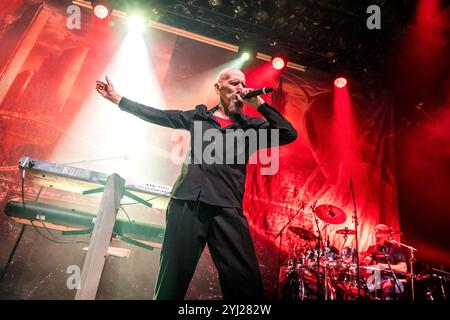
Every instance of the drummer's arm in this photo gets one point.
(399, 267)
(366, 261)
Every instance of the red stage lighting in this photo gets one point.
(101, 11)
(278, 63)
(340, 82)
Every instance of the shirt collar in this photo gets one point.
(241, 119)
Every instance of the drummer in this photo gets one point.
(379, 255)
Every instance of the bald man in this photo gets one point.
(206, 200)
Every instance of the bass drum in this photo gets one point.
(302, 285)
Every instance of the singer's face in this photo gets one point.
(230, 83)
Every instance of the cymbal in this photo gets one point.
(346, 231)
(303, 233)
(330, 214)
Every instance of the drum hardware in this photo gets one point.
(355, 221)
(303, 233)
(345, 232)
(443, 278)
(411, 259)
(330, 215)
(280, 235)
(324, 272)
(318, 271)
(318, 244)
(372, 268)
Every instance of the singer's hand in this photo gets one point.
(106, 89)
(254, 102)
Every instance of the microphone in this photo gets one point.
(402, 244)
(257, 92)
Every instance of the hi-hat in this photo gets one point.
(303, 233)
(330, 214)
(346, 231)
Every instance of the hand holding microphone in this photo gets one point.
(252, 96)
(257, 92)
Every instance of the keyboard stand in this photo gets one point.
(101, 237)
(125, 193)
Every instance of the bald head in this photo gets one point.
(228, 73)
(381, 228)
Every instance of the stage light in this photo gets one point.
(340, 82)
(278, 63)
(247, 50)
(215, 3)
(136, 23)
(101, 11)
(239, 11)
(245, 56)
(132, 71)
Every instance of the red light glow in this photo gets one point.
(340, 82)
(101, 11)
(278, 63)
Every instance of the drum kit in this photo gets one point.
(321, 271)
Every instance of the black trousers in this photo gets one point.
(192, 224)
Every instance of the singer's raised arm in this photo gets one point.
(167, 118)
(175, 119)
(275, 121)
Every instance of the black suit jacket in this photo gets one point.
(221, 184)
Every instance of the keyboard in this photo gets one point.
(78, 180)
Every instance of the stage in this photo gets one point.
(359, 94)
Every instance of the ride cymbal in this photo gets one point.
(303, 233)
(330, 214)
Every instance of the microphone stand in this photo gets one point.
(393, 273)
(355, 220)
(411, 263)
(281, 240)
(319, 241)
(326, 251)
